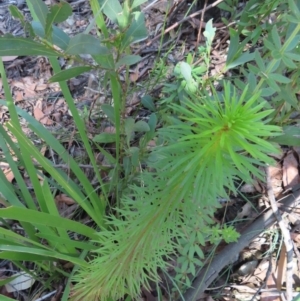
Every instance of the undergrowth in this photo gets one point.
(192, 148)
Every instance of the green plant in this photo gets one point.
(166, 207)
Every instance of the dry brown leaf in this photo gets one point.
(276, 178)
(18, 95)
(248, 188)
(270, 284)
(8, 174)
(246, 211)
(41, 87)
(134, 76)
(290, 176)
(281, 268)
(40, 115)
(65, 199)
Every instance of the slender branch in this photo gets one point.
(209, 273)
(286, 237)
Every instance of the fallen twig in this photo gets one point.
(286, 238)
(209, 273)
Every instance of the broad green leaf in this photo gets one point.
(111, 8)
(137, 30)
(128, 60)
(141, 126)
(185, 71)
(148, 103)
(109, 111)
(105, 138)
(86, 44)
(105, 60)
(59, 37)
(290, 136)
(135, 152)
(69, 73)
(41, 218)
(40, 9)
(209, 33)
(10, 45)
(137, 3)
(58, 13)
(129, 128)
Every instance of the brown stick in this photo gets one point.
(209, 273)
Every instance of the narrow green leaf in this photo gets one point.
(276, 37)
(69, 73)
(290, 136)
(279, 78)
(137, 30)
(10, 45)
(244, 58)
(41, 218)
(288, 62)
(86, 44)
(128, 60)
(33, 254)
(40, 9)
(111, 8)
(293, 56)
(59, 37)
(58, 13)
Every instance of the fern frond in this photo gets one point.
(202, 158)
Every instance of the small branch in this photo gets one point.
(228, 255)
(286, 238)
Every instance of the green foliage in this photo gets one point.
(206, 141)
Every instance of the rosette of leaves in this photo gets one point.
(214, 141)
